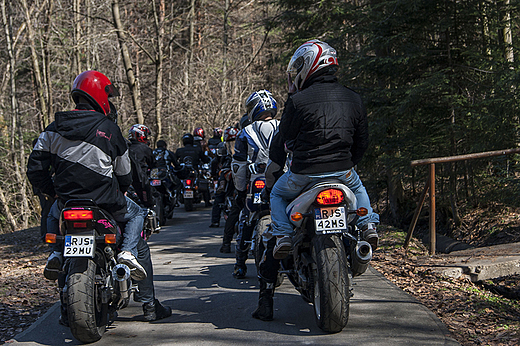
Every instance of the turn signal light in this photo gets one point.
(259, 184)
(110, 238)
(296, 216)
(362, 211)
(50, 238)
(78, 215)
(330, 197)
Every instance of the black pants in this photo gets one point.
(268, 268)
(229, 228)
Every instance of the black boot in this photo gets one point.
(264, 311)
(155, 311)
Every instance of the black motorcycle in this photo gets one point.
(327, 250)
(190, 193)
(166, 193)
(96, 286)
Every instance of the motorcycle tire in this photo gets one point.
(159, 210)
(188, 204)
(331, 283)
(87, 315)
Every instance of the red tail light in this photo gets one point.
(259, 184)
(78, 215)
(188, 181)
(330, 197)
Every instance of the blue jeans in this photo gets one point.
(290, 185)
(133, 215)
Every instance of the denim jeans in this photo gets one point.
(290, 185)
(133, 215)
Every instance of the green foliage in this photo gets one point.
(433, 73)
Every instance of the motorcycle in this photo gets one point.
(165, 196)
(96, 286)
(151, 221)
(327, 250)
(189, 194)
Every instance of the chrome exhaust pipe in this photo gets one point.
(121, 273)
(360, 256)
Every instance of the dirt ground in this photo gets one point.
(476, 314)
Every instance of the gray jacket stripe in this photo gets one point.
(80, 152)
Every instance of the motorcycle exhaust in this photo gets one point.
(360, 256)
(121, 273)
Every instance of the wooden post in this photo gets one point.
(432, 209)
(416, 215)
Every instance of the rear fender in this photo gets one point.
(304, 201)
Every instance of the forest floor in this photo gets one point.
(485, 313)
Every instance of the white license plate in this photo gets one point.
(330, 220)
(257, 199)
(155, 182)
(79, 246)
(188, 194)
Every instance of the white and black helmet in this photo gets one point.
(258, 103)
(309, 58)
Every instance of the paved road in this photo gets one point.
(210, 307)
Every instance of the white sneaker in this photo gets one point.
(137, 271)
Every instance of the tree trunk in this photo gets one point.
(36, 67)
(159, 27)
(133, 83)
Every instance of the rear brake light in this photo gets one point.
(259, 184)
(188, 182)
(78, 215)
(330, 197)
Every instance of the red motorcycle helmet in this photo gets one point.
(230, 134)
(96, 88)
(198, 132)
(140, 133)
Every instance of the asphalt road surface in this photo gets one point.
(210, 307)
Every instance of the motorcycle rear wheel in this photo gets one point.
(331, 283)
(188, 204)
(87, 315)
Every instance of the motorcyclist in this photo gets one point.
(221, 169)
(142, 159)
(230, 135)
(199, 139)
(251, 152)
(167, 160)
(214, 141)
(90, 159)
(193, 154)
(326, 126)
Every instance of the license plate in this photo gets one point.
(155, 182)
(188, 194)
(330, 220)
(257, 199)
(79, 246)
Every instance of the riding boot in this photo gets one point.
(264, 311)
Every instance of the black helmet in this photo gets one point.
(161, 144)
(187, 139)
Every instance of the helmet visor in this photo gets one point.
(295, 66)
(111, 90)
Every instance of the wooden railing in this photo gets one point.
(430, 187)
